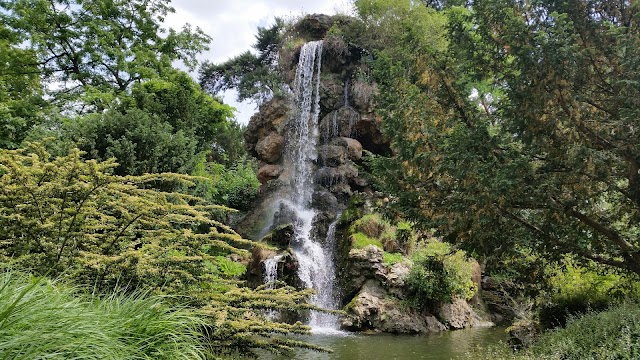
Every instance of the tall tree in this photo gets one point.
(254, 76)
(92, 50)
(20, 90)
(523, 129)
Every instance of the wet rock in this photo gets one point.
(281, 236)
(314, 26)
(331, 92)
(353, 146)
(332, 155)
(325, 200)
(269, 172)
(523, 333)
(270, 118)
(341, 122)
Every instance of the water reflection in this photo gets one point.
(443, 346)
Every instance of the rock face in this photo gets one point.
(373, 308)
(347, 124)
(377, 291)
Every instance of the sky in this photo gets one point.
(232, 26)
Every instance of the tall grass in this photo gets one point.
(611, 334)
(41, 319)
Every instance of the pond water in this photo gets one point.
(443, 346)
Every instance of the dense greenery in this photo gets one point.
(95, 50)
(514, 123)
(612, 334)
(41, 319)
(439, 275)
(73, 218)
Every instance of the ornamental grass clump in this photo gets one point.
(41, 318)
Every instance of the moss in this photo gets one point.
(391, 259)
(371, 225)
(360, 241)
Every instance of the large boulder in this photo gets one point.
(457, 315)
(341, 122)
(332, 155)
(374, 309)
(270, 118)
(269, 148)
(269, 172)
(353, 146)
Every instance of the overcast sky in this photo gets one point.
(232, 25)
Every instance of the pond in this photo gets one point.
(443, 346)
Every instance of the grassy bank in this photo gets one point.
(612, 334)
(40, 318)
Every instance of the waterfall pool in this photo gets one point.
(351, 346)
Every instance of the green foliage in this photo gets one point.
(438, 275)
(371, 225)
(97, 49)
(254, 76)
(235, 187)
(506, 120)
(71, 217)
(612, 334)
(21, 100)
(41, 319)
(575, 290)
(140, 142)
(361, 241)
(391, 259)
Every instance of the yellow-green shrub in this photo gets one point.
(438, 274)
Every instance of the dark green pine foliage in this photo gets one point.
(518, 127)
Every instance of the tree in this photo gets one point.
(522, 130)
(20, 92)
(254, 76)
(163, 126)
(94, 50)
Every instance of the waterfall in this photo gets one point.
(316, 266)
(271, 270)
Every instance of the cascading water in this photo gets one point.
(316, 266)
(271, 270)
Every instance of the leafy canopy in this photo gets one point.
(521, 130)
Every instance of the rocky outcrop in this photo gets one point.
(374, 309)
(377, 291)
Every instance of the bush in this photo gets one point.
(576, 290)
(235, 186)
(42, 319)
(438, 275)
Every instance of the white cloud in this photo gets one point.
(232, 26)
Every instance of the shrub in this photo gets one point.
(71, 217)
(438, 275)
(611, 334)
(371, 225)
(576, 290)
